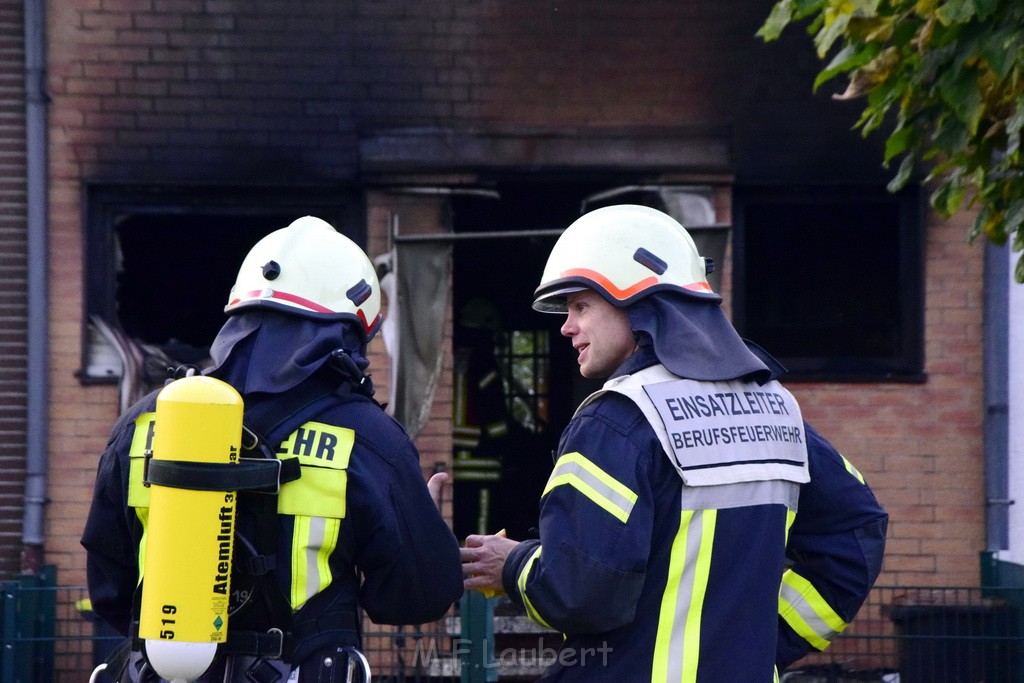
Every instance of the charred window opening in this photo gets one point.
(172, 280)
(161, 262)
(829, 280)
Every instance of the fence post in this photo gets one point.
(9, 626)
(477, 649)
(44, 627)
(25, 612)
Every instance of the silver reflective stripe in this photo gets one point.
(814, 621)
(744, 494)
(601, 484)
(677, 644)
(317, 535)
(684, 597)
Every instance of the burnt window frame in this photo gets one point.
(905, 366)
(104, 203)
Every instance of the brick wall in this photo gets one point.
(231, 92)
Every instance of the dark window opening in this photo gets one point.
(167, 290)
(161, 263)
(829, 280)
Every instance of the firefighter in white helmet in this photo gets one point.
(694, 527)
(318, 545)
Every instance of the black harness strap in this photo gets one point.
(249, 474)
(269, 644)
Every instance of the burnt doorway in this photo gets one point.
(516, 382)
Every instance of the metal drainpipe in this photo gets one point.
(997, 398)
(37, 449)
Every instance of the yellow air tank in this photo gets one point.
(189, 537)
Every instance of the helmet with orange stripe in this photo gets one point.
(623, 252)
(312, 270)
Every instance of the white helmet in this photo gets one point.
(309, 269)
(625, 253)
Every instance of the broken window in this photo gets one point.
(161, 262)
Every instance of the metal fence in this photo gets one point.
(901, 635)
(926, 635)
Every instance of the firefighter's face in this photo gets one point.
(599, 332)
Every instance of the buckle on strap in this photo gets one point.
(249, 439)
(268, 644)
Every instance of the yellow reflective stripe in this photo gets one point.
(851, 469)
(677, 643)
(573, 469)
(521, 584)
(318, 492)
(807, 613)
(790, 518)
(138, 492)
(142, 441)
(313, 541)
(323, 452)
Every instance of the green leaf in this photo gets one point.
(940, 197)
(847, 59)
(778, 19)
(902, 175)
(1018, 272)
(959, 90)
(993, 48)
(829, 34)
(1014, 215)
(937, 60)
(975, 230)
(985, 8)
(955, 12)
(950, 135)
(898, 142)
(804, 8)
(1013, 127)
(949, 195)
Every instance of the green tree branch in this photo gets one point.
(952, 74)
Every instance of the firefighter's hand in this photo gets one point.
(483, 559)
(436, 487)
